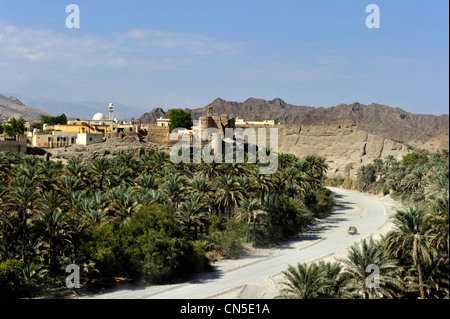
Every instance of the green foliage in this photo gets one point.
(324, 201)
(289, 214)
(14, 127)
(1, 128)
(102, 246)
(37, 125)
(138, 217)
(414, 158)
(366, 176)
(180, 119)
(150, 248)
(11, 282)
(228, 243)
(53, 120)
(314, 281)
(215, 224)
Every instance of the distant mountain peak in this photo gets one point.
(381, 120)
(13, 107)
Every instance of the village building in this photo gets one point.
(162, 122)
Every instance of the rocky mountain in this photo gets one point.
(377, 119)
(79, 109)
(436, 143)
(12, 107)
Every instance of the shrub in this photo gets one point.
(229, 241)
(102, 246)
(11, 284)
(215, 224)
(414, 158)
(150, 248)
(325, 201)
(157, 249)
(289, 214)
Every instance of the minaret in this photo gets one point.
(111, 110)
(111, 118)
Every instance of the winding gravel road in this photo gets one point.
(257, 275)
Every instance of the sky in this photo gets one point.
(187, 53)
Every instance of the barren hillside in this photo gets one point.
(12, 107)
(381, 120)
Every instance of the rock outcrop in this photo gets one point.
(341, 145)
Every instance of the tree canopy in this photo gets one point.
(53, 120)
(14, 127)
(180, 119)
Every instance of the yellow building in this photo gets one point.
(79, 127)
(54, 139)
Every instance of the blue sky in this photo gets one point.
(187, 53)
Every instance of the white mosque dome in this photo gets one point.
(98, 117)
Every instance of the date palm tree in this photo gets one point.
(191, 212)
(229, 193)
(126, 160)
(101, 170)
(124, 200)
(317, 280)
(147, 197)
(77, 169)
(145, 164)
(147, 181)
(410, 236)
(250, 210)
(358, 267)
(53, 221)
(159, 160)
(210, 170)
(67, 184)
(438, 221)
(25, 200)
(264, 183)
(175, 188)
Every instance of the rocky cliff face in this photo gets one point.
(339, 144)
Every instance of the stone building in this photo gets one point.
(220, 122)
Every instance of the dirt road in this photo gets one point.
(257, 275)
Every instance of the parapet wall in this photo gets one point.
(18, 145)
(157, 134)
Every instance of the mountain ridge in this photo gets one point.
(378, 119)
(13, 107)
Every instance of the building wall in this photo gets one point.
(158, 134)
(162, 122)
(56, 139)
(18, 145)
(89, 138)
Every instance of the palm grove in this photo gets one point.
(413, 258)
(143, 218)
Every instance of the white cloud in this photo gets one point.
(135, 48)
(193, 43)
